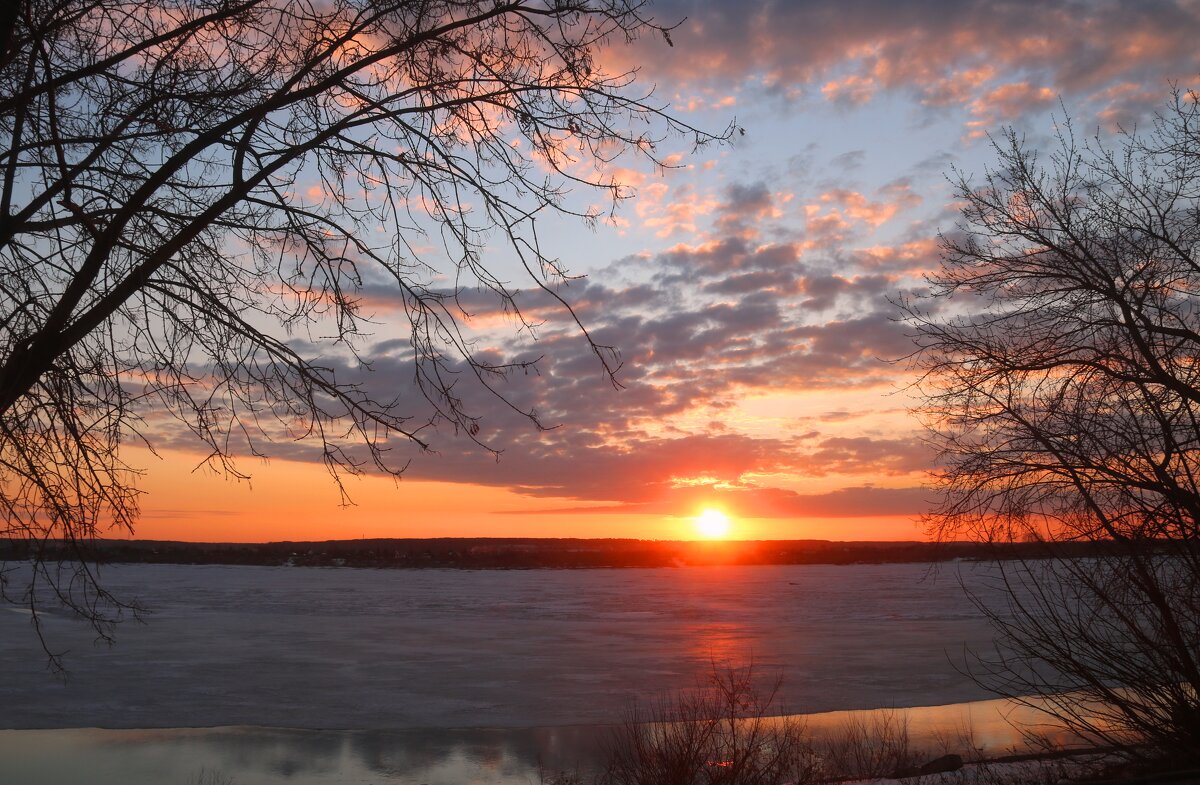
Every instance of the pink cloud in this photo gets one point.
(679, 213)
(1006, 103)
(830, 218)
(853, 89)
(945, 53)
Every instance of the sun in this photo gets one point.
(712, 524)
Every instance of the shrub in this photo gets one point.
(721, 733)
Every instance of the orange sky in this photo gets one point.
(293, 500)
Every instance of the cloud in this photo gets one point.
(1125, 103)
(853, 90)
(847, 204)
(942, 53)
(851, 502)
(770, 292)
(822, 291)
(848, 162)
(720, 320)
(861, 455)
(1009, 101)
(681, 213)
(747, 208)
(1006, 104)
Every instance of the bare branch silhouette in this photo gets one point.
(1058, 348)
(195, 195)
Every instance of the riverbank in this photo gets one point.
(486, 756)
(492, 553)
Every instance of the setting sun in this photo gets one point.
(712, 524)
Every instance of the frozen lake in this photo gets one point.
(319, 648)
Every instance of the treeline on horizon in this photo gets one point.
(531, 553)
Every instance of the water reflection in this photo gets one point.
(719, 642)
(276, 756)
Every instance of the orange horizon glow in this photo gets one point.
(297, 501)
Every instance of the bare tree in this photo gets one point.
(191, 204)
(1058, 347)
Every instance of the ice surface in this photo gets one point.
(512, 756)
(380, 649)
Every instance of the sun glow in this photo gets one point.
(712, 524)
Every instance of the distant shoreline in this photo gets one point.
(509, 553)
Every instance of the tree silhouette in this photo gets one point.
(1058, 347)
(190, 208)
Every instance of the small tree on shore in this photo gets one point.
(1059, 352)
(196, 197)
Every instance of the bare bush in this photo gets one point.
(211, 777)
(721, 733)
(869, 744)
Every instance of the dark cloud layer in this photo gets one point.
(1000, 59)
(706, 324)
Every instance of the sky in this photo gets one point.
(748, 288)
